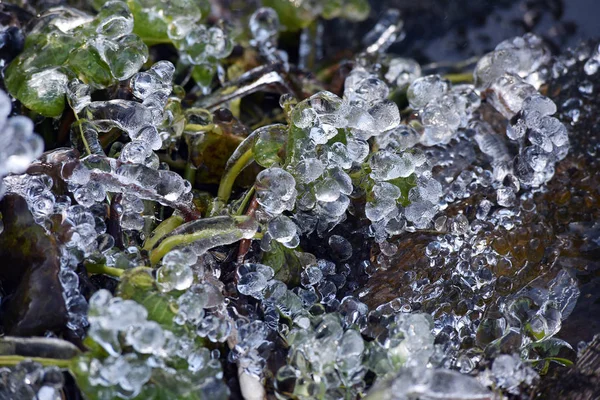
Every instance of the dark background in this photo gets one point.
(453, 30)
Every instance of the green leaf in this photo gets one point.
(285, 263)
(42, 91)
(153, 26)
(353, 10)
(269, 148)
(67, 44)
(296, 15)
(203, 74)
(204, 234)
(293, 17)
(86, 61)
(139, 284)
(405, 184)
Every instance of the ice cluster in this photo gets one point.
(137, 170)
(202, 309)
(252, 348)
(264, 25)
(301, 12)
(180, 23)
(443, 108)
(312, 188)
(86, 236)
(116, 324)
(328, 354)
(30, 380)
(510, 76)
(402, 72)
(96, 175)
(329, 162)
(427, 383)
(137, 163)
(593, 63)
(19, 145)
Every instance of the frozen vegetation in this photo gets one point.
(198, 253)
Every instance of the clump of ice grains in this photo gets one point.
(31, 380)
(443, 108)
(311, 189)
(327, 351)
(137, 170)
(510, 76)
(19, 145)
(137, 347)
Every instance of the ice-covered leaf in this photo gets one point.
(204, 234)
(285, 263)
(66, 44)
(269, 148)
(299, 14)
(138, 284)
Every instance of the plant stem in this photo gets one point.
(466, 77)
(177, 240)
(103, 269)
(154, 41)
(208, 234)
(229, 177)
(190, 173)
(164, 228)
(11, 361)
(198, 128)
(245, 201)
(85, 143)
(258, 235)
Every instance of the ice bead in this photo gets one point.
(264, 25)
(276, 190)
(520, 56)
(19, 145)
(402, 72)
(146, 338)
(308, 170)
(386, 165)
(175, 273)
(508, 93)
(426, 90)
(126, 115)
(78, 95)
(283, 229)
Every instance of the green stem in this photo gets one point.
(245, 201)
(171, 242)
(165, 227)
(226, 184)
(104, 269)
(85, 143)
(190, 173)
(11, 361)
(154, 41)
(466, 77)
(198, 128)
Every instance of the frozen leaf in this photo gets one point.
(67, 44)
(138, 284)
